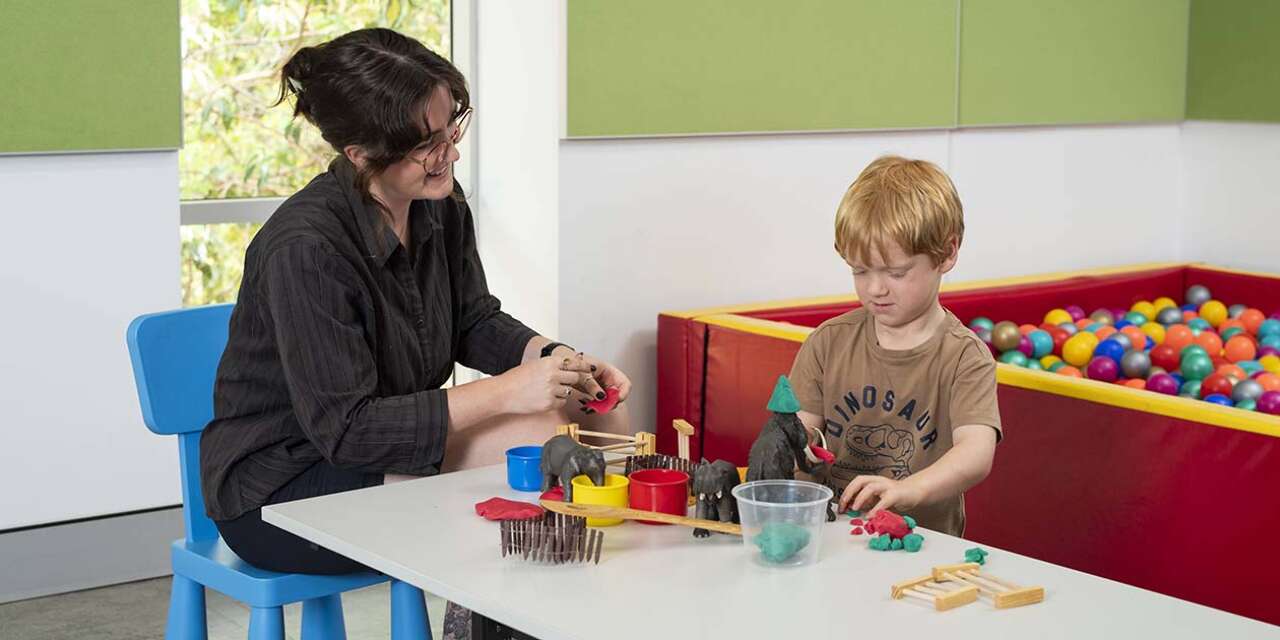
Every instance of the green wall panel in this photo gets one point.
(1233, 70)
(652, 67)
(86, 75)
(1072, 61)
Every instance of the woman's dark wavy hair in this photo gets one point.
(369, 88)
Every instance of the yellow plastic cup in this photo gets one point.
(614, 493)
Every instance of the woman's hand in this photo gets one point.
(603, 375)
(544, 384)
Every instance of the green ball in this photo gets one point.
(981, 322)
(1226, 335)
(1190, 349)
(1250, 366)
(1247, 405)
(1136, 319)
(1200, 324)
(1196, 367)
(1015, 357)
(1057, 365)
(1033, 364)
(1190, 389)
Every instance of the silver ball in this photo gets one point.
(1235, 310)
(1198, 294)
(1070, 328)
(1123, 340)
(984, 334)
(1246, 390)
(1135, 364)
(1103, 316)
(1169, 316)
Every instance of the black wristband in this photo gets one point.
(551, 346)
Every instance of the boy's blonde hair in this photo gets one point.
(910, 202)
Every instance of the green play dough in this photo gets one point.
(853, 513)
(881, 542)
(911, 522)
(895, 545)
(912, 542)
(783, 399)
(976, 554)
(778, 541)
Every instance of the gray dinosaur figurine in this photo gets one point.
(713, 484)
(782, 445)
(563, 458)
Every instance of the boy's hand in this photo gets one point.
(884, 493)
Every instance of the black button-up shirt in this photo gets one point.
(340, 340)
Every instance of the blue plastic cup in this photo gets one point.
(523, 468)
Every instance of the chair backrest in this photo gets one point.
(175, 357)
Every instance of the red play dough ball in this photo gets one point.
(610, 401)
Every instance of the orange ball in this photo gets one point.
(1026, 328)
(1211, 342)
(1232, 370)
(1178, 336)
(1106, 331)
(1073, 372)
(1188, 316)
(1269, 381)
(1084, 322)
(1252, 319)
(1240, 348)
(1227, 324)
(1136, 383)
(1136, 336)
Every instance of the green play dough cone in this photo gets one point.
(783, 399)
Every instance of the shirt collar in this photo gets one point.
(379, 241)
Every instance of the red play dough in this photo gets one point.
(504, 509)
(857, 522)
(857, 531)
(610, 401)
(823, 454)
(554, 493)
(890, 523)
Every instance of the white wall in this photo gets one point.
(1232, 201)
(90, 242)
(662, 224)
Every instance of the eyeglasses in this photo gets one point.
(454, 137)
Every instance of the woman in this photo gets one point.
(359, 295)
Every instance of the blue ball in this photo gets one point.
(1218, 398)
(1250, 366)
(1269, 327)
(1109, 349)
(1177, 377)
(1190, 307)
(1041, 343)
(1151, 344)
(1270, 341)
(1120, 324)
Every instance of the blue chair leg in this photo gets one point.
(186, 611)
(266, 623)
(322, 619)
(408, 613)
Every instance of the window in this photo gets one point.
(240, 155)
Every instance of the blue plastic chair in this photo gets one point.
(175, 356)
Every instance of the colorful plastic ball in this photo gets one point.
(1016, 358)
(1057, 365)
(1070, 328)
(1231, 332)
(1025, 346)
(1265, 350)
(1058, 316)
(1041, 343)
(1075, 311)
(1213, 311)
(1211, 343)
(1069, 371)
(1162, 383)
(1105, 331)
(1102, 316)
(1178, 336)
(1034, 365)
(1218, 398)
(1215, 383)
(1049, 360)
(1269, 381)
(1240, 348)
(1169, 315)
(1135, 364)
(1178, 378)
(1190, 389)
(1268, 327)
(1059, 338)
(1104, 369)
(1269, 403)
(1246, 390)
(1190, 349)
(1137, 318)
(1163, 302)
(1118, 312)
(1005, 336)
(981, 322)
(1188, 316)
(1125, 341)
(1135, 383)
(985, 336)
(1252, 319)
(1198, 294)
(1189, 307)
(1250, 367)
(1235, 310)
(1270, 341)
(1122, 323)
(1024, 329)
(1154, 330)
(1165, 357)
(1247, 405)
(1078, 349)
(1232, 371)
(1136, 336)
(1109, 349)
(1145, 308)
(1198, 325)
(1196, 367)
(1270, 362)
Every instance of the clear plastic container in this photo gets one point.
(782, 520)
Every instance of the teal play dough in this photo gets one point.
(976, 554)
(912, 542)
(778, 541)
(911, 523)
(881, 542)
(783, 399)
(896, 544)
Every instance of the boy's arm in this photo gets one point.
(812, 424)
(965, 465)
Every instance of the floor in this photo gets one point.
(138, 609)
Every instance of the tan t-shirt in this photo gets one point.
(889, 412)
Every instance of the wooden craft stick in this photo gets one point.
(897, 589)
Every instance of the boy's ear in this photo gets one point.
(954, 252)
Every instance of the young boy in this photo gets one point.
(905, 393)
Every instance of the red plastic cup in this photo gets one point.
(661, 490)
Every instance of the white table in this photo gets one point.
(660, 583)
